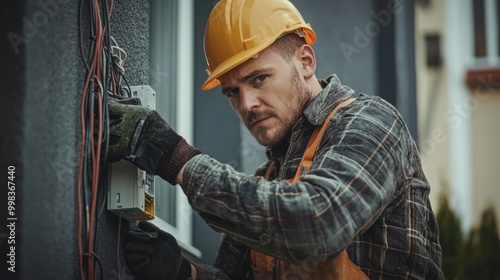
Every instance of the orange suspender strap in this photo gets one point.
(265, 262)
(314, 141)
(269, 169)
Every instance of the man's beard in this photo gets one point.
(294, 105)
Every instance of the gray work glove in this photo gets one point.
(141, 136)
(153, 254)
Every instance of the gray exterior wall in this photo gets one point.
(335, 24)
(41, 131)
(44, 89)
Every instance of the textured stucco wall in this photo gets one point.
(54, 75)
(40, 129)
(12, 77)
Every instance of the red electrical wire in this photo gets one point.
(95, 150)
(94, 71)
(111, 5)
(80, 170)
(94, 76)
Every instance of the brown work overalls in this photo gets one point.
(267, 268)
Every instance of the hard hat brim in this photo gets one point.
(238, 59)
(233, 62)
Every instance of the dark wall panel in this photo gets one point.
(50, 149)
(13, 79)
(346, 40)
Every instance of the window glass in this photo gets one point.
(479, 28)
(162, 78)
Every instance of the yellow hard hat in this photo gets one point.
(239, 29)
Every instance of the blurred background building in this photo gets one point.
(458, 91)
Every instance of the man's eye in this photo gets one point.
(259, 79)
(231, 93)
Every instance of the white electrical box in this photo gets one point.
(131, 191)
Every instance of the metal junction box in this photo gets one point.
(131, 191)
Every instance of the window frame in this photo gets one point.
(490, 56)
(174, 80)
(485, 67)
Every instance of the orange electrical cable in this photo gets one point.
(95, 72)
(90, 242)
(80, 170)
(111, 5)
(96, 167)
(94, 64)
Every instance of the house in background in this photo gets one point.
(457, 50)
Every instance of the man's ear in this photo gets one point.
(307, 58)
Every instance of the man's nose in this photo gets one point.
(249, 99)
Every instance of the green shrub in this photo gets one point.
(451, 239)
(477, 257)
(482, 258)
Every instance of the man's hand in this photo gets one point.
(154, 254)
(141, 136)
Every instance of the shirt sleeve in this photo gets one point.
(354, 175)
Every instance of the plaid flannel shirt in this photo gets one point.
(365, 192)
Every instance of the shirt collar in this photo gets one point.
(332, 94)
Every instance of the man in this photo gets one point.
(363, 191)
